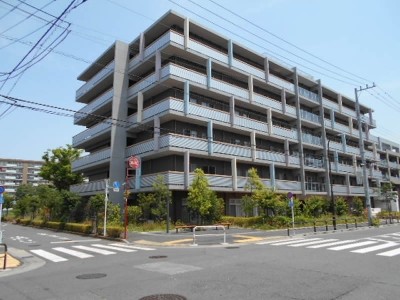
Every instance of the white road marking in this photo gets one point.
(48, 255)
(355, 245)
(281, 240)
(95, 250)
(132, 247)
(312, 243)
(390, 253)
(293, 242)
(113, 248)
(73, 252)
(375, 248)
(76, 241)
(331, 244)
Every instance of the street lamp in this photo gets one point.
(331, 188)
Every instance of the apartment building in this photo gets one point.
(14, 172)
(181, 97)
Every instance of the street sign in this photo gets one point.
(134, 162)
(2, 189)
(290, 195)
(116, 186)
(1, 199)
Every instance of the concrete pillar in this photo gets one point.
(269, 120)
(332, 114)
(272, 175)
(232, 110)
(253, 145)
(234, 173)
(287, 151)
(350, 121)
(266, 69)
(158, 65)
(210, 137)
(156, 133)
(230, 53)
(209, 72)
(250, 83)
(142, 44)
(119, 110)
(283, 100)
(340, 102)
(186, 97)
(139, 115)
(186, 169)
(186, 33)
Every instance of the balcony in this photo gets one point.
(91, 160)
(250, 124)
(281, 82)
(308, 94)
(94, 81)
(315, 187)
(270, 156)
(268, 102)
(91, 133)
(311, 139)
(141, 85)
(330, 104)
(92, 107)
(284, 132)
(310, 116)
(342, 128)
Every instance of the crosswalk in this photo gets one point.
(62, 254)
(378, 246)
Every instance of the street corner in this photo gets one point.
(7, 261)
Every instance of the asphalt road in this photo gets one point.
(357, 264)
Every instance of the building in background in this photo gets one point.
(14, 172)
(182, 97)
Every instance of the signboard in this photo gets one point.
(1, 199)
(2, 189)
(116, 186)
(134, 162)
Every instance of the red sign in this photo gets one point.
(134, 162)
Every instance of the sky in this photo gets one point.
(346, 44)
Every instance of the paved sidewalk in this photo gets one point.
(11, 262)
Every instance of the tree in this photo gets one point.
(202, 201)
(162, 194)
(315, 206)
(57, 167)
(264, 197)
(341, 206)
(8, 202)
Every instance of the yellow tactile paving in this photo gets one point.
(177, 242)
(11, 262)
(247, 238)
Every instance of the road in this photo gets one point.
(357, 264)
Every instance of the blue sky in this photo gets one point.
(360, 39)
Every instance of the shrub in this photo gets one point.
(134, 213)
(55, 225)
(112, 231)
(77, 227)
(38, 223)
(25, 222)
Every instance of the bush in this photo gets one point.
(24, 222)
(77, 227)
(38, 223)
(112, 231)
(55, 225)
(134, 213)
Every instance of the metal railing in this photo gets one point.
(209, 227)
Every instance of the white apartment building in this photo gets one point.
(14, 172)
(181, 97)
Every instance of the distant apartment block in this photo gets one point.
(14, 172)
(181, 97)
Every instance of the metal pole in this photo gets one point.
(331, 186)
(168, 214)
(364, 164)
(1, 232)
(105, 209)
(126, 202)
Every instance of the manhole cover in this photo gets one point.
(91, 276)
(158, 256)
(164, 297)
(233, 247)
(33, 245)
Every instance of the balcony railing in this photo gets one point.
(307, 94)
(91, 159)
(106, 71)
(310, 116)
(92, 132)
(315, 186)
(90, 108)
(311, 139)
(281, 82)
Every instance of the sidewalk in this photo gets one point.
(11, 262)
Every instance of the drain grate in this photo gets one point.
(232, 247)
(158, 256)
(164, 297)
(91, 276)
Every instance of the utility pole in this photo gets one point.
(362, 152)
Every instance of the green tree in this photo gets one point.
(357, 206)
(162, 194)
(315, 206)
(146, 202)
(341, 206)
(8, 202)
(202, 201)
(95, 206)
(264, 197)
(50, 202)
(248, 205)
(57, 167)
(134, 213)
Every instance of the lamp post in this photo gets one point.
(331, 189)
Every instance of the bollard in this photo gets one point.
(288, 231)
(355, 223)
(347, 225)
(315, 228)
(5, 256)
(326, 225)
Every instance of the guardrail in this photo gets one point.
(210, 227)
(5, 256)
